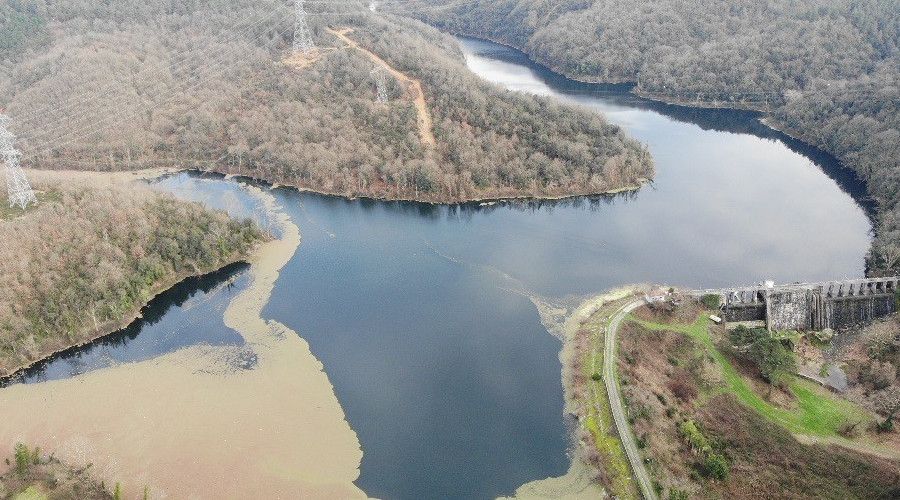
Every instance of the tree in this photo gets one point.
(715, 466)
(742, 336)
(314, 127)
(824, 71)
(694, 437)
(711, 301)
(772, 358)
(96, 254)
(677, 494)
(23, 459)
(887, 401)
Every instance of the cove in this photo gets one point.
(421, 314)
(445, 372)
(189, 313)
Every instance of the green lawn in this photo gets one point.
(818, 413)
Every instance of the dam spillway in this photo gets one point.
(832, 305)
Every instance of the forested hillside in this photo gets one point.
(127, 84)
(827, 71)
(88, 257)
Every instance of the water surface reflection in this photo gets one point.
(421, 317)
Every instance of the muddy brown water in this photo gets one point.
(421, 318)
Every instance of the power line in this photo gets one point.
(303, 41)
(380, 77)
(19, 192)
(183, 63)
(101, 124)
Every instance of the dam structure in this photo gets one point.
(834, 305)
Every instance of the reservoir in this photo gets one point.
(422, 315)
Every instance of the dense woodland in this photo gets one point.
(87, 258)
(828, 71)
(210, 84)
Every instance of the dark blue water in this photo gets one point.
(451, 383)
(447, 377)
(190, 313)
(417, 311)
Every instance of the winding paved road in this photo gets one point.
(615, 402)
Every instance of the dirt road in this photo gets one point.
(426, 132)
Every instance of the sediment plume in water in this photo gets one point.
(562, 318)
(259, 421)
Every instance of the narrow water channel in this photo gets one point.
(420, 313)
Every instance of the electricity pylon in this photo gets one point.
(17, 187)
(303, 41)
(380, 78)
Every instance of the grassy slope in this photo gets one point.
(760, 441)
(818, 413)
(768, 462)
(599, 419)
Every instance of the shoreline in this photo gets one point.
(149, 174)
(766, 117)
(461, 201)
(585, 478)
(632, 86)
(114, 327)
(274, 429)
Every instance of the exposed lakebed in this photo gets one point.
(421, 314)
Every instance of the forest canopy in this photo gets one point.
(827, 71)
(90, 255)
(212, 84)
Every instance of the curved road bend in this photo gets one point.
(615, 402)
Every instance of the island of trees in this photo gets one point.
(212, 84)
(82, 263)
(827, 72)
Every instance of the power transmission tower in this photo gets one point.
(380, 78)
(303, 41)
(17, 186)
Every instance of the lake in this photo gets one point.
(422, 316)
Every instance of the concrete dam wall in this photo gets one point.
(811, 306)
